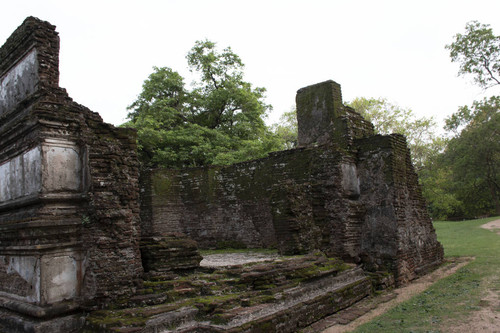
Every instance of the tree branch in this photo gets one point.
(487, 67)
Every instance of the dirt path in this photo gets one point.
(487, 319)
(492, 226)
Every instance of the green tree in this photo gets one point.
(473, 156)
(478, 53)
(286, 130)
(219, 121)
(389, 118)
(463, 180)
(438, 185)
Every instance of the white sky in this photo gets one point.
(391, 49)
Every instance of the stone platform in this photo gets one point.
(282, 294)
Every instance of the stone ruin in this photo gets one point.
(83, 229)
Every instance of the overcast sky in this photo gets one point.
(391, 49)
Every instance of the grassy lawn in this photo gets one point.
(452, 299)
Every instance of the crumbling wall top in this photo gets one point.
(29, 61)
(317, 107)
(323, 119)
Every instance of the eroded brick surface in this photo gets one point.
(69, 212)
(345, 191)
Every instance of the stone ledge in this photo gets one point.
(15, 323)
(302, 307)
(41, 199)
(39, 249)
(38, 311)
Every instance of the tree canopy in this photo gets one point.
(287, 129)
(478, 53)
(219, 121)
(463, 181)
(389, 118)
(473, 155)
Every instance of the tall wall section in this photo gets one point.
(69, 214)
(397, 229)
(344, 191)
(281, 201)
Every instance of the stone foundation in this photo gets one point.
(281, 296)
(171, 252)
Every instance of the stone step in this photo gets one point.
(297, 307)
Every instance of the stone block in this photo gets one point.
(317, 108)
(19, 82)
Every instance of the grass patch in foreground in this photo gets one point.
(451, 299)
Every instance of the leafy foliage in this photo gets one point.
(463, 180)
(389, 118)
(286, 130)
(478, 52)
(219, 121)
(438, 189)
(473, 156)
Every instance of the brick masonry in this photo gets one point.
(345, 191)
(69, 212)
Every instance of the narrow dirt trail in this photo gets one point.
(487, 319)
(492, 226)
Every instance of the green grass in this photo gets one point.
(452, 299)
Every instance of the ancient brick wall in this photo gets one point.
(111, 227)
(281, 201)
(69, 213)
(346, 191)
(70, 222)
(397, 230)
(296, 200)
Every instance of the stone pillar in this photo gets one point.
(323, 119)
(42, 182)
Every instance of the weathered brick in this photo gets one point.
(64, 219)
(346, 191)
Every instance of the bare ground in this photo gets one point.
(492, 226)
(231, 259)
(486, 319)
